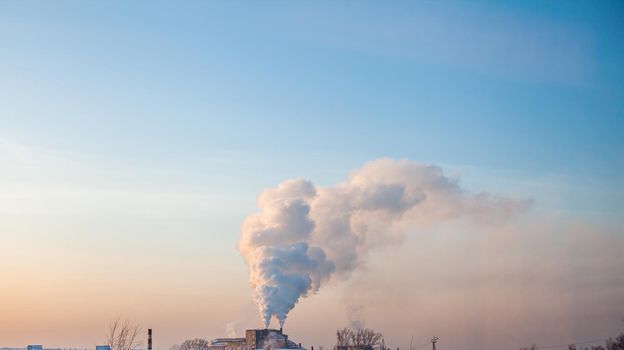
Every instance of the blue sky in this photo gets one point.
(210, 102)
(523, 87)
(535, 89)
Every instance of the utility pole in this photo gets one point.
(434, 340)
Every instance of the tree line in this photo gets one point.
(125, 335)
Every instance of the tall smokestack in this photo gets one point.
(149, 339)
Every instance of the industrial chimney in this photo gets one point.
(149, 339)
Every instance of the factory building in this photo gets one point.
(267, 339)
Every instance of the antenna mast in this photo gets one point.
(434, 340)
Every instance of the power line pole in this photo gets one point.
(434, 340)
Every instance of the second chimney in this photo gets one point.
(149, 339)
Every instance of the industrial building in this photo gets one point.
(266, 339)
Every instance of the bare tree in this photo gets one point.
(344, 337)
(123, 335)
(368, 337)
(610, 344)
(364, 337)
(194, 344)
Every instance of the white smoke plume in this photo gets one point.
(305, 235)
(355, 315)
(274, 341)
(231, 329)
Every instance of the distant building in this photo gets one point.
(228, 344)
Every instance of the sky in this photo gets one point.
(136, 137)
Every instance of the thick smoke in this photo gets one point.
(305, 235)
(274, 341)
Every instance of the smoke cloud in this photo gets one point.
(355, 315)
(305, 235)
(274, 341)
(231, 329)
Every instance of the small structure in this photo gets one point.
(228, 344)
